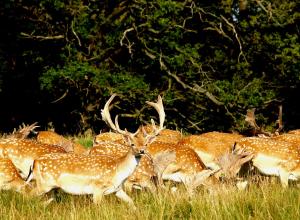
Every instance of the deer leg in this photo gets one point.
(284, 178)
(128, 185)
(40, 189)
(98, 195)
(123, 196)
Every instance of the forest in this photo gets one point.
(211, 61)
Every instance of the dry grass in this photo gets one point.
(268, 201)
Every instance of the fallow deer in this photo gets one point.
(91, 174)
(144, 176)
(288, 137)
(109, 137)
(22, 152)
(51, 137)
(183, 163)
(296, 131)
(10, 178)
(187, 167)
(112, 144)
(272, 157)
(166, 135)
(211, 146)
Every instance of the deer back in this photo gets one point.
(51, 137)
(296, 131)
(186, 158)
(229, 138)
(22, 152)
(289, 137)
(270, 147)
(109, 136)
(110, 148)
(165, 135)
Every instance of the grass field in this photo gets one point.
(263, 202)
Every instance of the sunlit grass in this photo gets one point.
(268, 201)
(85, 140)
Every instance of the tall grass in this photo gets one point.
(263, 202)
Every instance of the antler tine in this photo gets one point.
(279, 121)
(250, 118)
(160, 109)
(29, 128)
(24, 130)
(106, 115)
(107, 118)
(118, 127)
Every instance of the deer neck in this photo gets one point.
(126, 167)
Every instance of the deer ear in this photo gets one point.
(246, 159)
(150, 140)
(127, 139)
(95, 141)
(233, 147)
(144, 131)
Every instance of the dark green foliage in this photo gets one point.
(211, 60)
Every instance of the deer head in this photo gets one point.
(231, 163)
(132, 139)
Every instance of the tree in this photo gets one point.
(211, 60)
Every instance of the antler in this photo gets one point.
(231, 162)
(279, 121)
(107, 118)
(161, 112)
(250, 118)
(24, 131)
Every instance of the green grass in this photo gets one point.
(264, 202)
(85, 140)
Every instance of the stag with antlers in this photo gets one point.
(94, 174)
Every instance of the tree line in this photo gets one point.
(210, 60)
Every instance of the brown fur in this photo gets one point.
(273, 157)
(22, 152)
(51, 137)
(10, 177)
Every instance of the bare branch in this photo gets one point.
(37, 37)
(196, 87)
(236, 37)
(193, 124)
(62, 97)
(73, 31)
(128, 44)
